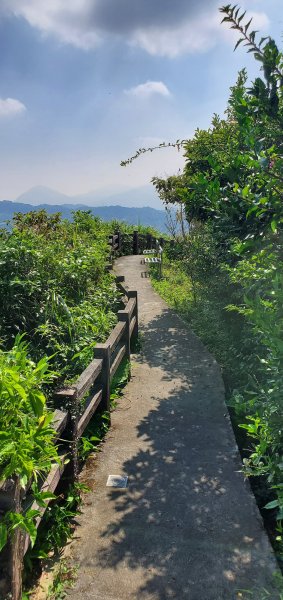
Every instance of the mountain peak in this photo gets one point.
(40, 194)
(135, 197)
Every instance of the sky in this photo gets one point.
(85, 83)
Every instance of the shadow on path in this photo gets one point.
(187, 525)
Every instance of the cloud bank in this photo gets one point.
(160, 27)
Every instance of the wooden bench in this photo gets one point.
(153, 259)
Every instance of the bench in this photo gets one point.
(154, 259)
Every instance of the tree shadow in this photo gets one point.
(187, 526)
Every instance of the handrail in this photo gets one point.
(94, 385)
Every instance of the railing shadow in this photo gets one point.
(187, 525)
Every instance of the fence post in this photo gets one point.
(17, 549)
(119, 241)
(102, 351)
(148, 241)
(69, 395)
(125, 317)
(134, 294)
(135, 242)
(75, 415)
(12, 555)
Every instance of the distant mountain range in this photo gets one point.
(136, 198)
(134, 216)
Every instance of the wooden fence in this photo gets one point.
(134, 243)
(93, 388)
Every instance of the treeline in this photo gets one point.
(226, 276)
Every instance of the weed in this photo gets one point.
(64, 578)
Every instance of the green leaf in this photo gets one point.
(245, 191)
(238, 43)
(37, 400)
(273, 225)
(273, 504)
(3, 535)
(252, 210)
(241, 17)
(247, 25)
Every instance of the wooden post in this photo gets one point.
(119, 241)
(135, 242)
(124, 316)
(75, 410)
(134, 294)
(12, 555)
(148, 241)
(102, 351)
(70, 400)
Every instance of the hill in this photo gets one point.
(137, 197)
(134, 216)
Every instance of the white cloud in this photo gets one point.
(195, 36)
(11, 107)
(162, 28)
(191, 37)
(150, 88)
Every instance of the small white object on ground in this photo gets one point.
(117, 481)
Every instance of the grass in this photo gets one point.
(174, 286)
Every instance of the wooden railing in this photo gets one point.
(134, 243)
(93, 388)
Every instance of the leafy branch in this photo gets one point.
(178, 144)
(232, 16)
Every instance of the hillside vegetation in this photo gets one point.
(226, 276)
(57, 302)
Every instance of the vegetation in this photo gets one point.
(58, 302)
(64, 579)
(229, 268)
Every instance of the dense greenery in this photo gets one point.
(55, 289)
(231, 262)
(57, 302)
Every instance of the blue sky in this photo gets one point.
(84, 83)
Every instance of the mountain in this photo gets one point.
(136, 197)
(134, 216)
(42, 195)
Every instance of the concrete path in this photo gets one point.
(187, 526)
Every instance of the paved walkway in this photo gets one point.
(187, 526)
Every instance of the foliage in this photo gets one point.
(55, 289)
(64, 579)
(231, 190)
(26, 437)
(57, 525)
(26, 446)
